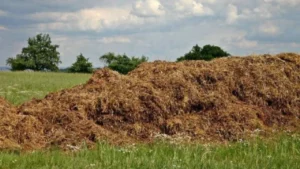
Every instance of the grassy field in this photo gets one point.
(18, 87)
(283, 153)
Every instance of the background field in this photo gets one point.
(17, 87)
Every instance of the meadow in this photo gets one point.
(19, 87)
(282, 151)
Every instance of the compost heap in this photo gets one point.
(226, 99)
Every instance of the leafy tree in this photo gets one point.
(82, 65)
(194, 54)
(39, 55)
(122, 63)
(208, 52)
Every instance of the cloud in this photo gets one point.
(2, 28)
(285, 2)
(93, 19)
(143, 15)
(263, 11)
(3, 13)
(260, 11)
(191, 7)
(208, 1)
(232, 14)
(269, 28)
(118, 39)
(239, 40)
(148, 8)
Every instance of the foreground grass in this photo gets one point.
(18, 87)
(282, 153)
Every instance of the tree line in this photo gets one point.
(42, 55)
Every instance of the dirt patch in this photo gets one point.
(226, 99)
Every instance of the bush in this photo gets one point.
(122, 63)
(208, 52)
(82, 65)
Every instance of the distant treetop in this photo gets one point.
(122, 63)
(82, 65)
(39, 55)
(208, 52)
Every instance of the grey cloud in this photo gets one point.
(32, 6)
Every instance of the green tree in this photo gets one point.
(39, 55)
(82, 65)
(208, 52)
(122, 63)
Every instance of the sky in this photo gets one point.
(158, 29)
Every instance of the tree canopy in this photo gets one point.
(122, 63)
(82, 65)
(39, 55)
(208, 52)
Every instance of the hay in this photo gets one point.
(16, 129)
(226, 99)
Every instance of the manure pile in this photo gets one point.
(226, 99)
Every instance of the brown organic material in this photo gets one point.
(16, 128)
(223, 100)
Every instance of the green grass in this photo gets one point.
(18, 87)
(283, 153)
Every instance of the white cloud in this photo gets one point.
(263, 12)
(191, 7)
(148, 8)
(269, 28)
(232, 14)
(267, 10)
(2, 28)
(258, 12)
(142, 13)
(93, 19)
(117, 39)
(208, 1)
(244, 43)
(3, 13)
(239, 40)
